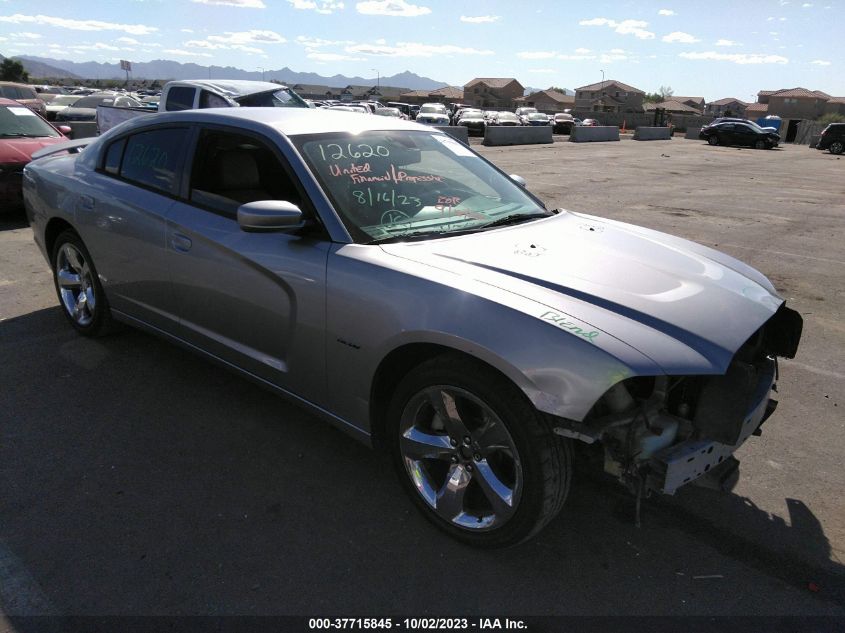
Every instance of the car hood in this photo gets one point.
(19, 150)
(685, 306)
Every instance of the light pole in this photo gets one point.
(378, 79)
(262, 72)
(602, 78)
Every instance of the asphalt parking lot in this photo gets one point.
(138, 479)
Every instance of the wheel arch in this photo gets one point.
(396, 365)
(54, 228)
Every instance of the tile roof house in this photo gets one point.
(548, 100)
(447, 94)
(694, 102)
(492, 92)
(609, 96)
(316, 91)
(672, 106)
(795, 103)
(729, 106)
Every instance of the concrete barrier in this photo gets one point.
(590, 134)
(517, 134)
(644, 133)
(692, 132)
(80, 129)
(458, 132)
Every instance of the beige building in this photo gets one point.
(672, 107)
(547, 101)
(729, 106)
(609, 96)
(493, 92)
(696, 103)
(796, 103)
(448, 94)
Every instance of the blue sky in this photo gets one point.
(717, 49)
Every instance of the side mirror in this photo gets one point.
(269, 215)
(65, 129)
(519, 180)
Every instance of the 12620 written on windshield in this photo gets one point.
(401, 179)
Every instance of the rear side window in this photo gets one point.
(179, 98)
(27, 93)
(8, 92)
(154, 158)
(115, 152)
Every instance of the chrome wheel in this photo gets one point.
(837, 147)
(75, 283)
(460, 457)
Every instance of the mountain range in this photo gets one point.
(164, 69)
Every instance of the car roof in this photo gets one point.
(10, 102)
(232, 88)
(288, 121)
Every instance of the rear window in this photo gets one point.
(154, 158)
(179, 98)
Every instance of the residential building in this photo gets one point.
(447, 94)
(800, 103)
(729, 106)
(672, 107)
(547, 101)
(697, 103)
(316, 91)
(609, 96)
(493, 92)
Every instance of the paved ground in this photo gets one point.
(137, 479)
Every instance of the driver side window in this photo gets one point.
(232, 169)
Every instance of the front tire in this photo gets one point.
(475, 456)
(760, 144)
(78, 288)
(713, 140)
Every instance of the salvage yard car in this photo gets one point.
(403, 288)
(735, 133)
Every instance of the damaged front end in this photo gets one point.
(662, 432)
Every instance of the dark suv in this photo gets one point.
(833, 138)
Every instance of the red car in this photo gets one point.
(22, 132)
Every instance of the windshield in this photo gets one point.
(406, 184)
(282, 98)
(63, 100)
(434, 109)
(20, 121)
(94, 100)
(536, 116)
(507, 116)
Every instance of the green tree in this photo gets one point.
(653, 97)
(12, 70)
(832, 117)
(666, 92)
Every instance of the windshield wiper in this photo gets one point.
(513, 218)
(19, 135)
(418, 235)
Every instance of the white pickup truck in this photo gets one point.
(191, 94)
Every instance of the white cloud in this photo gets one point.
(481, 19)
(128, 40)
(183, 53)
(782, 19)
(726, 43)
(324, 6)
(334, 57)
(625, 27)
(680, 37)
(582, 51)
(820, 62)
(770, 18)
(398, 8)
(806, 5)
(665, 12)
(99, 46)
(248, 37)
(537, 54)
(312, 43)
(187, 30)
(609, 58)
(27, 35)
(737, 58)
(78, 25)
(244, 4)
(413, 49)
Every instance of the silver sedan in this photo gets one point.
(403, 288)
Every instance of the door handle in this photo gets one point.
(180, 242)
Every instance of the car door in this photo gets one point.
(254, 300)
(745, 135)
(121, 212)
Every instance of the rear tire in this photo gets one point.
(477, 459)
(78, 287)
(837, 147)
